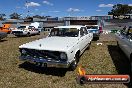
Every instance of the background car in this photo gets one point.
(95, 30)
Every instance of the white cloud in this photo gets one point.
(129, 4)
(48, 3)
(73, 10)
(106, 5)
(54, 11)
(32, 4)
(98, 10)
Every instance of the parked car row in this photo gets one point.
(61, 48)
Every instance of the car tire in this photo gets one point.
(28, 34)
(73, 65)
(39, 33)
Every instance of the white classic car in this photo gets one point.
(60, 49)
(25, 31)
(124, 41)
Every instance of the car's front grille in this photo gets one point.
(43, 54)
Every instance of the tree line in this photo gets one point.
(120, 9)
(18, 16)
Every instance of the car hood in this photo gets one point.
(52, 43)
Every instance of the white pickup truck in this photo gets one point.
(25, 31)
(61, 49)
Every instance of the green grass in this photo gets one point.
(16, 74)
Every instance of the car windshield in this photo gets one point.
(94, 27)
(62, 32)
(88, 27)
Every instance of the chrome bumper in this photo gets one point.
(45, 62)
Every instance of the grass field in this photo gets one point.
(99, 59)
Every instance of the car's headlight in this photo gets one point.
(63, 56)
(23, 51)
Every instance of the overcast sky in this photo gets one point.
(59, 8)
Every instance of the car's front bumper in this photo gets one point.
(45, 62)
(96, 34)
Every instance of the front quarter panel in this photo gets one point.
(72, 52)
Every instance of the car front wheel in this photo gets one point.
(28, 34)
(73, 65)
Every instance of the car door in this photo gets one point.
(82, 40)
(87, 36)
(127, 45)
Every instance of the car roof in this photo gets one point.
(70, 26)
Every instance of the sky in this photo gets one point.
(59, 8)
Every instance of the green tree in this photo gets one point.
(121, 9)
(15, 16)
(2, 16)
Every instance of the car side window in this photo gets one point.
(81, 32)
(85, 31)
